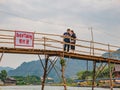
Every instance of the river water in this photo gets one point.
(49, 88)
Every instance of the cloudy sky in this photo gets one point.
(55, 16)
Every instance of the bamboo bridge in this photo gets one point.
(51, 45)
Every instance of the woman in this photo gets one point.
(73, 40)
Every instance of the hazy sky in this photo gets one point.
(55, 16)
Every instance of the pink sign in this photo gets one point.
(24, 38)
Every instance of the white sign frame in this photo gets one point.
(23, 38)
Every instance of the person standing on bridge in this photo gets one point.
(66, 36)
(73, 40)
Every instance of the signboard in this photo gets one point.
(24, 39)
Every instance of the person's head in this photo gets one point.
(68, 30)
(72, 31)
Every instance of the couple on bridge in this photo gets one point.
(69, 40)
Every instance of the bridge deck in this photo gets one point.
(57, 53)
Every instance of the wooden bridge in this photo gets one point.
(52, 45)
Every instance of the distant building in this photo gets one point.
(10, 81)
(48, 80)
(117, 73)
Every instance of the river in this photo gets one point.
(49, 88)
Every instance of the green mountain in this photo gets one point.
(72, 67)
(35, 68)
(114, 55)
(6, 68)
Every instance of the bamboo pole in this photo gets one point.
(109, 65)
(94, 75)
(63, 77)
(100, 70)
(1, 56)
(94, 62)
(46, 66)
(45, 73)
(62, 62)
(111, 82)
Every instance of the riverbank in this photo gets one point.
(38, 87)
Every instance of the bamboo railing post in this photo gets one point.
(44, 44)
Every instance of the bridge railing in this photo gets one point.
(55, 42)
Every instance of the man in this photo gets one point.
(66, 36)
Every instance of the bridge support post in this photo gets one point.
(45, 72)
(1, 56)
(111, 82)
(94, 75)
(109, 66)
(62, 62)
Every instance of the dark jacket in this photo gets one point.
(66, 37)
(74, 37)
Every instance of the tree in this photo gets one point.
(87, 74)
(3, 75)
(69, 80)
(104, 73)
(79, 74)
(84, 75)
